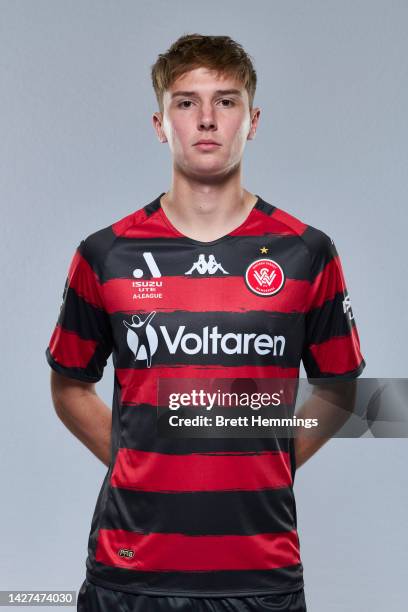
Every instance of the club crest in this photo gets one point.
(264, 277)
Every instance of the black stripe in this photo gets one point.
(85, 374)
(328, 320)
(315, 377)
(95, 248)
(198, 584)
(175, 257)
(321, 250)
(288, 325)
(88, 321)
(202, 512)
(264, 206)
(138, 425)
(153, 206)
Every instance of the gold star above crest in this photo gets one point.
(264, 250)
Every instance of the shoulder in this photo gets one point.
(317, 243)
(96, 246)
(313, 237)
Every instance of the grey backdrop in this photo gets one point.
(78, 152)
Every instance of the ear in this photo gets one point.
(157, 120)
(255, 114)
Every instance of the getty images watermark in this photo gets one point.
(281, 407)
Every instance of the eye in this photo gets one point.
(180, 105)
(186, 103)
(230, 102)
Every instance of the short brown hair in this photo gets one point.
(219, 53)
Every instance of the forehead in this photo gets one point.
(204, 81)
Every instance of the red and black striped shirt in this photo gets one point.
(200, 516)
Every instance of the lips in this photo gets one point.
(207, 142)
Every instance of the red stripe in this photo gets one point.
(69, 350)
(257, 224)
(223, 294)
(140, 225)
(84, 281)
(139, 386)
(122, 226)
(338, 355)
(235, 471)
(261, 223)
(296, 226)
(327, 283)
(178, 552)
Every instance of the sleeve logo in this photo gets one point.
(347, 306)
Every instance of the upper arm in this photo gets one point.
(60, 383)
(332, 344)
(81, 341)
(64, 388)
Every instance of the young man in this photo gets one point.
(206, 280)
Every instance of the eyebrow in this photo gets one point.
(216, 93)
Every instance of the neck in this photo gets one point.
(206, 211)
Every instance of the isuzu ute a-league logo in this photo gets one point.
(264, 277)
(143, 341)
(147, 288)
(206, 267)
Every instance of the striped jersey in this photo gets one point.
(200, 516)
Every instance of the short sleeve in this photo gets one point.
(81, 341)
(332, 343)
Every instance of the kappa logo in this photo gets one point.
(142, 340)
(206, 267)
(347, 307)
(264, 277)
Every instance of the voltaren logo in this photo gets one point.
(142, 340)
(206, 267)
(142, 337)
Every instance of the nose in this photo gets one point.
(206, 118)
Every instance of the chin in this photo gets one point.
(214, 170)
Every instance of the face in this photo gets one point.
(198, 106)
